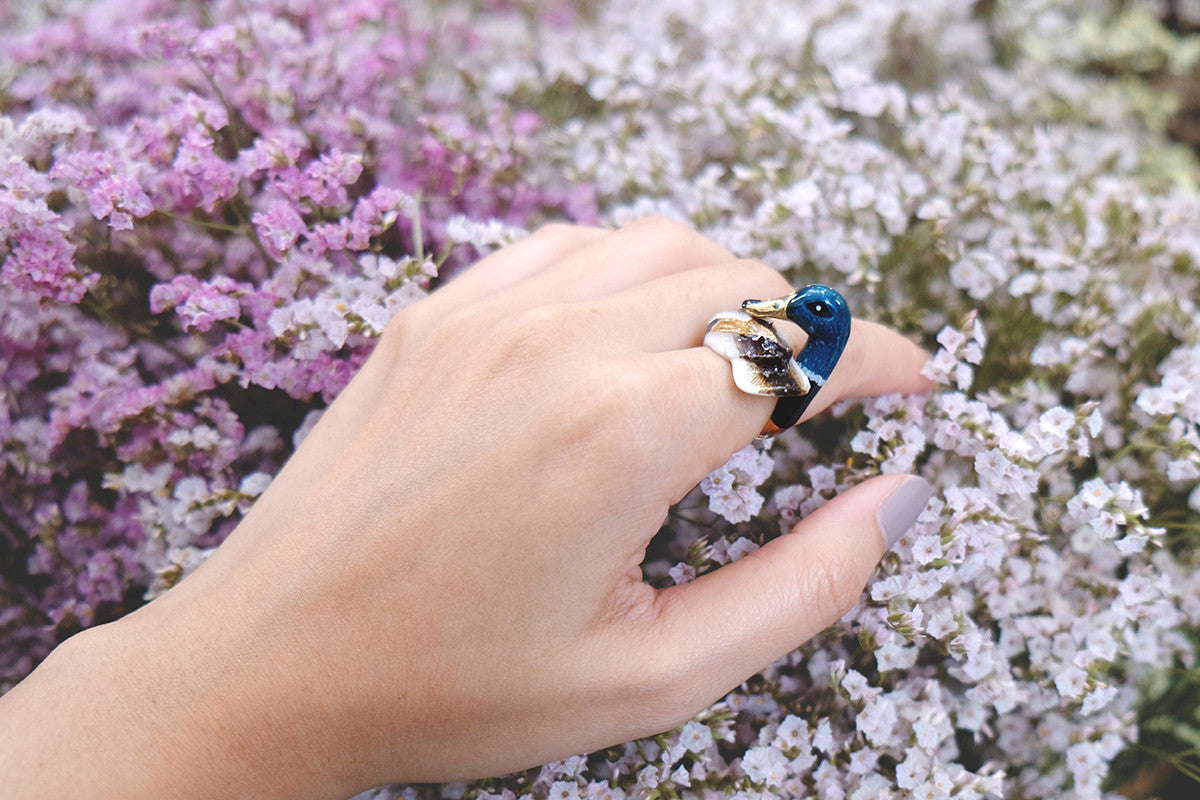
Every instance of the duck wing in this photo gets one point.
(761, 357)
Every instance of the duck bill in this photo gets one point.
(775, 309)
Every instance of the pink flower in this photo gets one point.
(199, 304)
(279, 227)
(112, 191)
(42, 261)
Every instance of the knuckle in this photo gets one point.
(528, 335)
(618, 393)
(556, 233)
(761, 277)
(404, 329)
(667, 229)
(614, 412)
(633, 400)
(675, 240)
(538, 321)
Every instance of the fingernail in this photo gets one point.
(902, 507)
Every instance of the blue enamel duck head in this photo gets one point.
(823, 314)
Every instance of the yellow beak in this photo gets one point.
(776, 309)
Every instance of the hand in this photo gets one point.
(443, 582)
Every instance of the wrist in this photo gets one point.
(135, 709)
(77, 726)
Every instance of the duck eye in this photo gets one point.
(820, 309)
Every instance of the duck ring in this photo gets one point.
(762, 358)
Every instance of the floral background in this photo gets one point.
(209, 210)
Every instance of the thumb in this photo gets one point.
(761, 607)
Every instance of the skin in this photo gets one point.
(443, 582)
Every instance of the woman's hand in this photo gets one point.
(443, 582)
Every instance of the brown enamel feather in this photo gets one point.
(762, 359)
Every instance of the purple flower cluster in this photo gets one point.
(207, 213)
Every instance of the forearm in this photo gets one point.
(117, 712)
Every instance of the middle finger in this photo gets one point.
(672, 312)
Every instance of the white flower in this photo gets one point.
(941, 623)
(695, 737)
(894, 654)
(792, 733)
(877, 721)
(563, 790)
(1183, 470)
(862, 762)
(1070, 682)
(926, 548)
(931, 728)
(682, 573)
(1098, 699)
(190, 490)
(601, 790)
(254, 484)
(823, 738)
(765, 765)
(912, 771)
(740, 548)
(857, 687)
(1136, 590)
(180, 437)
(1100, 644)
(648, 777)
(136, 478)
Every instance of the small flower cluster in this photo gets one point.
(732, 489)
(208, 211)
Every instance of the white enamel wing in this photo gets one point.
(762, 359)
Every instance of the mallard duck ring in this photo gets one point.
(762, 358)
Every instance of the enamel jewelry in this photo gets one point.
(761, 357)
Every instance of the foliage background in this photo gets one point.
(209, 211)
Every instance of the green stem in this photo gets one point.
(418, 234)
(447, 249)
(1140, 441)
(692, 520)
(246, 227)
(1176, 760)
(203, 223)
(234, 138)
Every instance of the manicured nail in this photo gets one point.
(902, 507)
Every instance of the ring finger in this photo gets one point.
(711, 418)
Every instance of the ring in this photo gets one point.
(761, 357)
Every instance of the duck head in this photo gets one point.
(820, 312)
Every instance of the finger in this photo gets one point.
(757, 609)
(518, 261)
(648, 249)
(708, 418)
(672, 312)
(877, 360)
